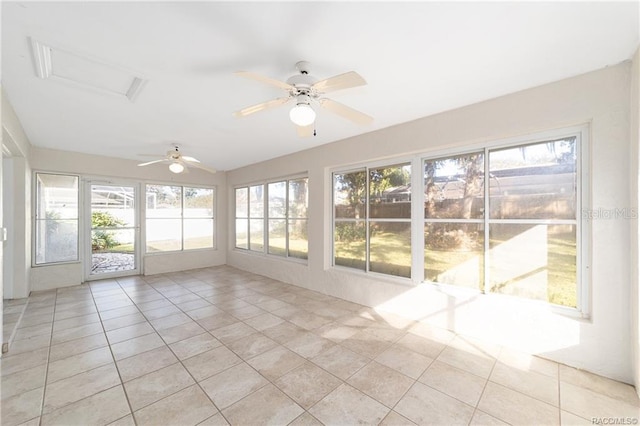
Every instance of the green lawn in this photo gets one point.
(392, 255)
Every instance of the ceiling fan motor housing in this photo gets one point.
(303, 99)
(302, 85)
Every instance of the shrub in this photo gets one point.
(103, 240)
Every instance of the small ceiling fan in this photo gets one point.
(178, 163)
(307, 90)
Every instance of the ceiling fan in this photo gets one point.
(307, 90)
(178, 163)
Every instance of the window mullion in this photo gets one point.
(486, 216)
(182, 218)
(248, 218)
(265, 218)
(265, 229)
(286, 219)
(366, 222)
(417, 221)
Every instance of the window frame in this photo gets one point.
(419, 219)
(181, 218)
(35, 220)
(266, 218)
(366, 167)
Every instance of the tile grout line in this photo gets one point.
(243, 361)
(112, 356)
(46, 373)
(484, 388)
(443, 393)
(179, 361)
(187, 370)
(269, 381)
(559, 398)
(12, 336)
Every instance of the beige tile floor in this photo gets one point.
(221, 346)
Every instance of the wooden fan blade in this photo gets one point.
(345, 111)
(339, 82)
(152, 162)
(261, 107)
(305, 131)
(263, 79)
(189, 159)
(202, 167)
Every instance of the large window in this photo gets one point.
(277, 227)
(372, 210)
(500, 219)
(250, 218)
(453, 228)
(179, 218)
(533, 212)
(287, 218)
(56, 219)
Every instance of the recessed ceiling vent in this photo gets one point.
(84, 72)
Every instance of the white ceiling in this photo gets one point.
(419, 58)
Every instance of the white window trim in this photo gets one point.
(402, 161)
(265, 217)
(34, 219)
(583, 201)
(143, 221)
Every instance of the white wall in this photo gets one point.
(600, 344)
(16, 141)
(7, 217)
(97, 167)
(634, 159)
(16, 202)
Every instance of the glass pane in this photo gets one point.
(349, 194)
(242, 240)
(56, 218)
(453, 187)
(534, 261)
(112, 251)
(390, 248)
(453, 254)
(277, 237)
(349, 245)
(298, 198)
(278, 199)
(390, 192)
(256, 234)
(164, 201)
(256, 201)
(56, 241)
(534, 181)
(242, 202)
(112, 206)
(298, 240)
(164, 235)
(198, 233)
(57, 197)
(198, 202)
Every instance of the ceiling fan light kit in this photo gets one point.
(305, 90)
(176, 167)
(302, 115)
